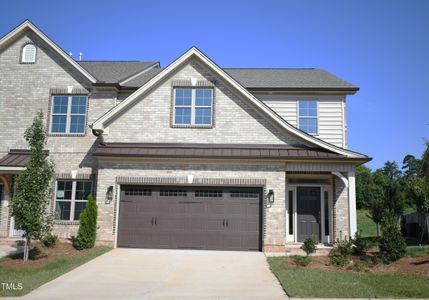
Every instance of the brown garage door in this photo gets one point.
(190, 217)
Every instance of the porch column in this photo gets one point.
(352, 203)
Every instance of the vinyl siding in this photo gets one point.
(330, 112)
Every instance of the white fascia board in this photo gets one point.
(98, 125)
(12, 169)
(28, 25)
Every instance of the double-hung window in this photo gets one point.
(71, 198)
(193, 106)
(308, 120)
(68, 114)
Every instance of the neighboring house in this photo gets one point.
(187, 156)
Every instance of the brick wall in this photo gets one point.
(341, 210)
(235, 120)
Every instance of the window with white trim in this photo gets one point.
(193, 106)
(308, 116)
(68, 114)
(71, 198)
(28, 54)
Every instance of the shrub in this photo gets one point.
(88, 227)
(50, 240)
(361, 245)
(309, 245)
(36, 252)
(339, 260)
(343, 247)
(302, 261)
(392, 245)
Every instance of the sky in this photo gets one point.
(381, 46)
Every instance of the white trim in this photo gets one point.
(100, 123)
(28, 25)
(342, 177)
(153, 66)
(308, 117)
(73, 200)
(352, 204)
(12, 168)
(323, 188)
(68, 115)
(118, 199)
(193, 107)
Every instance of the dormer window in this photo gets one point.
(28, 55)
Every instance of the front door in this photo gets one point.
(308, 212)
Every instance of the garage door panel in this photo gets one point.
(190, 217)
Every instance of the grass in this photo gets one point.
(31, 278)
(303, 282)
(365, 224)
(414, 251)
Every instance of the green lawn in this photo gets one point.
(365, 224)
(302, 282)
(414, 251)
(31, 277)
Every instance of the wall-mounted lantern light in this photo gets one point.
(270, 197)
(109, 195)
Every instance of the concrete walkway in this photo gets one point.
(167, 274)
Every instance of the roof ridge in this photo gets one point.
(144, 61)
(273, 68)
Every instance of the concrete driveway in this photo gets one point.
(167, 274)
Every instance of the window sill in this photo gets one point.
(193, 126)
(64, 222)
(67, 134)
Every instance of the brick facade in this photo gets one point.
(26, 88)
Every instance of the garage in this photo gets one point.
(177, 217)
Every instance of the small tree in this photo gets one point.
(31, 202)
(88, 226)
(392, 245)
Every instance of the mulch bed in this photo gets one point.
(61, 250)
(405, 266)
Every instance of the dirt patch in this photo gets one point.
(45, 255)
(405, 266)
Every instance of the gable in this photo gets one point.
(99, 126)
(29, 28)
(149, 119)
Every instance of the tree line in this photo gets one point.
(388, 191)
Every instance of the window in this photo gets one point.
(71, 198)
(68, 114)
(138, 192)
(244, 194)
(193, 106)
(308, 116)
(208, 194)
(28, 54)
(172, 193)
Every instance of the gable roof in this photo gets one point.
(290, 78)
(116, 71)
(27, 25)
(250, 78)
(99, 124)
